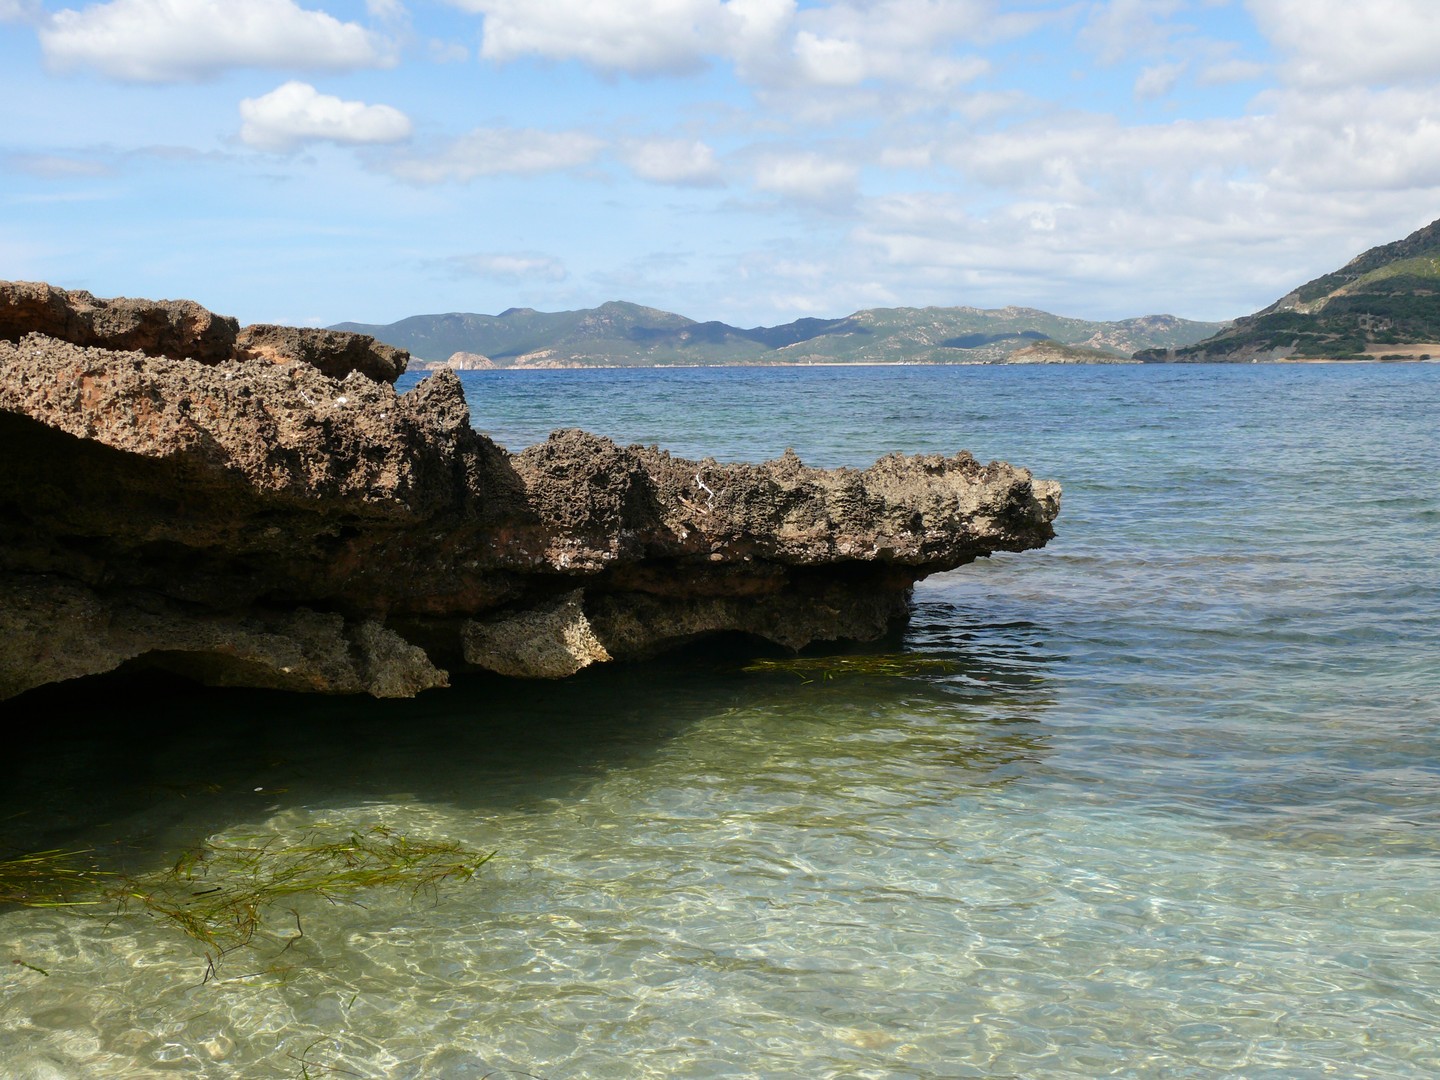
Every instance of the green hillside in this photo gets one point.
(619, 334)
(1387, 298)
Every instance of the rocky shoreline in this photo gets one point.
(259, 507)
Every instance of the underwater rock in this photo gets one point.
(254, 520)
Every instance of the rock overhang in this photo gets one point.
(314, 529)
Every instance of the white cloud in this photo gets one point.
(1228, 250)
(912, 24)
(907, 157)
(773, 44)
(495, 151)
(829, 61)
(1119, 29)
(805, 176)
(21, 11)
(57, 166)
(1223, 72)
(1334, 42)
(1157, 81)
(448, 52)
(637, 36)
(295, 114)
(503, 266)
(1216, 217)
(1354, 140)
(188, 40)
(1085, 158)
(754, 30)
(673, 161)
(903, 43)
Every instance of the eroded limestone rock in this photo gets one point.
(331, 352)
(182, 329)
(549, 642)
(264, 523)
(175, 328)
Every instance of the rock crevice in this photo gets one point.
(273, 513)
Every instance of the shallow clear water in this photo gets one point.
(1167, 808)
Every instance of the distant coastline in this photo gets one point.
(1381, 307)
(620, 334)
(427, 367)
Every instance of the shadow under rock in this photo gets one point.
(142, 759)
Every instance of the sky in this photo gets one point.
(755, 161)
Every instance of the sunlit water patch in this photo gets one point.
(1159, 800)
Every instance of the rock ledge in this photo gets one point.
(261, 508)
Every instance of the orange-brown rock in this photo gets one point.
(182, 329)
(174, 328)
(333, 352)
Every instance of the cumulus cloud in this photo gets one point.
(894, 45)
(752, 31)
(509, 267)
(1336, 42)
(687, 162)
(830, 61)
(805, 176)
(496, 151)
(638, 36)
(1339, 141)
(1069, 211)
(774, 44)
(189, 40)
(1354, 140)
(1115, 260)
(292, 115)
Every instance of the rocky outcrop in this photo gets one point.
(331, 352)
(174, 328)
(460, 361)
(182, 329)
(1052, 352)
(256, 521)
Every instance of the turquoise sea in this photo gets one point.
(1160, 800)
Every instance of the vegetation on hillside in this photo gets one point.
(628, 335)
(1387, 297)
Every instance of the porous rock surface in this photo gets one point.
(249, 519)
(333, 352)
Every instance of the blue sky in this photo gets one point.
(755, 161)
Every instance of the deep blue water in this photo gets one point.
(1164, 799)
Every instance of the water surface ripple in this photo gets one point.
(1158, 801)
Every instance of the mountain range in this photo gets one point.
(1383, 304)
(619, 334)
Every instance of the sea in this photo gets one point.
(1159, 800)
